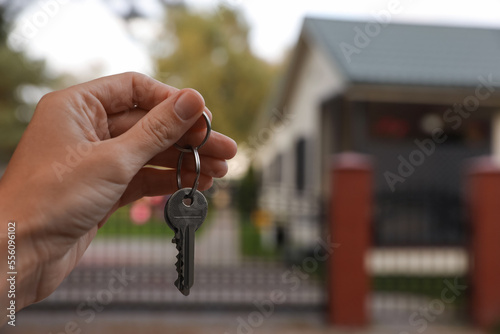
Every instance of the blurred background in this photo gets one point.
(355, 203)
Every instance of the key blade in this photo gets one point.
(188, 255)
(185, 291)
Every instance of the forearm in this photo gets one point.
(19, 267)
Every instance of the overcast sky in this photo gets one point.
(83, 35)
(276, 26)
(85, 38)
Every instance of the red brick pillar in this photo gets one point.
(350, 219)
(484, 203)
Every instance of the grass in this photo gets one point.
(425, 286)
(120, 224)
(251, 244)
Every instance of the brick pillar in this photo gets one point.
(484, 203)
(350, 218)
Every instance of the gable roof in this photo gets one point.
(409, 54)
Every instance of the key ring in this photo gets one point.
(188, 149)
(198, 170)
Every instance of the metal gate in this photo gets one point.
(420, 260)
(238, 264)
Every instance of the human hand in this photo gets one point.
(82, 157)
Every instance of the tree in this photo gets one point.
(247, 193)
(16, 70)
(210, 52)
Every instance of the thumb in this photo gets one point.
(162, 126)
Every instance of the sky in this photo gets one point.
(85, 37)
(277, 26)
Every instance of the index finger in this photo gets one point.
(133, 91)
(121, 92)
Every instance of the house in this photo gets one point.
(418, 99)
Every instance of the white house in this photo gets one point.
(418, 99)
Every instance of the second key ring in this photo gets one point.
(188, 149)
(197, 168)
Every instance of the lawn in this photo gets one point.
(120, 224)
(251, 244)
(431, 287)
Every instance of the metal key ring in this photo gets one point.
(187, 149)
(198, 170)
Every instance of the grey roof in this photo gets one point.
(411, 54)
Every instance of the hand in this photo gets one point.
(82, 157)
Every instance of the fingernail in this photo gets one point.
(189, 104)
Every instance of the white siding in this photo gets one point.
(317, 80)
(496, 135)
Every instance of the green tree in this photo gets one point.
(247, 193)
(210, 52)
(16, 70)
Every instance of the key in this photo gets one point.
(185, 219)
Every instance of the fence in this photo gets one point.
(400, 260)
(421, 241)
(241, 261)
(419, 278)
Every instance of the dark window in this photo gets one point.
(300, 163)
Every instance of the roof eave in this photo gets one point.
(420, 94)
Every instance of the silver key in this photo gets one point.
(185, 219)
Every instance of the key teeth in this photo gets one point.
(179, 265)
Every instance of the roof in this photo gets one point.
(409, 54)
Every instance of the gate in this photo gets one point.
(421, 237)
(239, 264)
(420, 254)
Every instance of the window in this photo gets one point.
(277, 169)
(300, 165)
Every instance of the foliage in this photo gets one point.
(121, 225)
(251, 244)
(247, 193)
(16, 70)
(210, 52)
